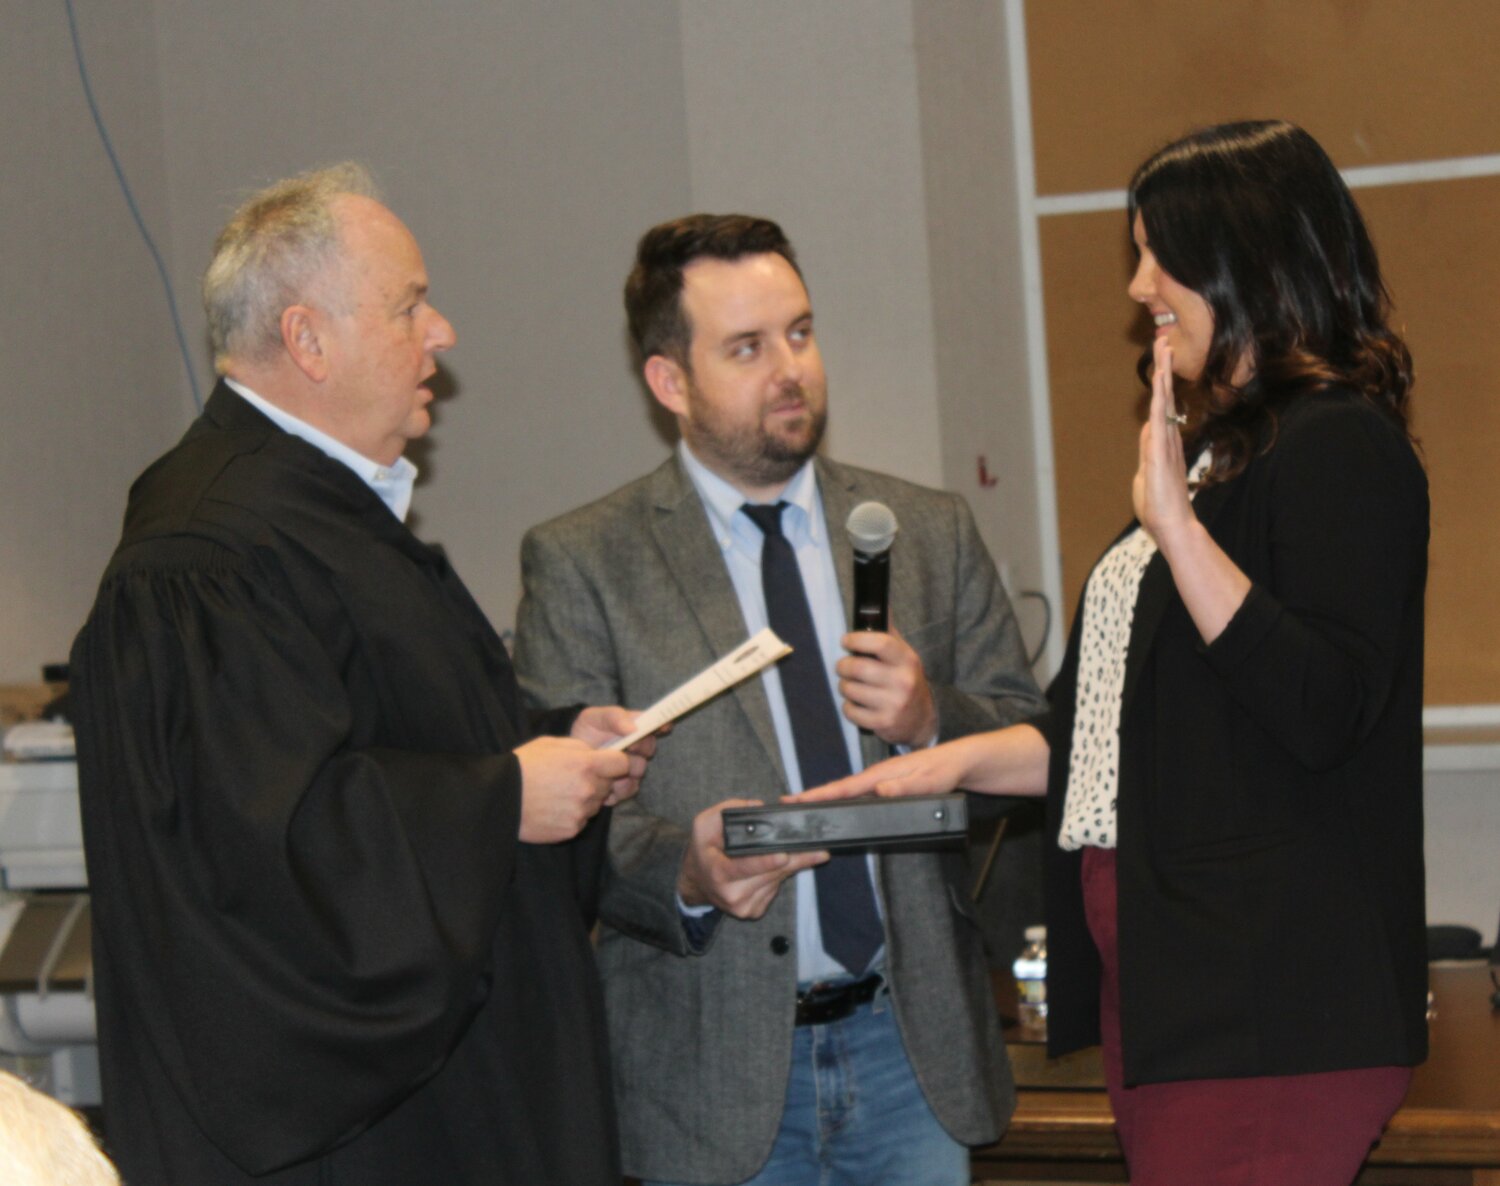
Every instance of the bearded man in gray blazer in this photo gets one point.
(756, 1037)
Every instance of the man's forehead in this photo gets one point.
(375, 240)
(736, 288)
(357, 208)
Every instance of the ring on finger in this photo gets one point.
(1177, 418)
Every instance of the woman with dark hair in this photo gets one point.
(1233, 753)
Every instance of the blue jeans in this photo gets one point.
(855, 1114)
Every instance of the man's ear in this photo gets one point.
(299, 334)
(668, 381)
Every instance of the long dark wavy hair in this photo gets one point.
(1255, 218)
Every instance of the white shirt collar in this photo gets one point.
(723, 502)
(392, 484)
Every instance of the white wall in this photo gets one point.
(973, 229)
(528, 143)
(798, 112)
(883, 146)
(88, 370)
(1462, 810)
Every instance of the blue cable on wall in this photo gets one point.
(109, 148)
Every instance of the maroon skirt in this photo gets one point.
(1272, 1130)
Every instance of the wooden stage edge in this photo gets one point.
(1447, 1131)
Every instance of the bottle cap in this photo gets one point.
(1035, 934)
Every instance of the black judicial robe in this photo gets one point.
(321, 953)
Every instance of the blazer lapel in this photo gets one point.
(839, 490)
(682, 531)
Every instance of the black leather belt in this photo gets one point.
(823, 1003)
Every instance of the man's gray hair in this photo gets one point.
(43, 1143)
(280, 243)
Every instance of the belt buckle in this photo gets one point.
(821, 1005)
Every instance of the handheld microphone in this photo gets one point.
(872, 529)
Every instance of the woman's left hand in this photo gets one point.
(933, 771)
(1008, 761)
(1160, 491)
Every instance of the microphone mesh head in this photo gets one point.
(872, 527)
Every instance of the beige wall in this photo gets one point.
(88, 373)
(973, 228)
(819, 129)
(527, 144)
(529, 141)
(1381, 84)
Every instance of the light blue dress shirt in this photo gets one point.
(739, 540)
(392, 483)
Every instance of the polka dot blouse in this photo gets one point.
(1108, 612)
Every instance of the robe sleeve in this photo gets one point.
(298, 928)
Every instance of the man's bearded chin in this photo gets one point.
(792, 453)
(762, 458)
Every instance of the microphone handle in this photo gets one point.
(872, 591)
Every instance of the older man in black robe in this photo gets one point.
(341, 902)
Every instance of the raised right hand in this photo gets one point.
(743, 887)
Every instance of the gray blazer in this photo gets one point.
(624, 599)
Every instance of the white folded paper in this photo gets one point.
(758, 652)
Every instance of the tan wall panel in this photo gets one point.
(1375, 82)
(1096, 398)
(1441, 251)
(1440, 247)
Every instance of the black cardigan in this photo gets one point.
(1270, 874)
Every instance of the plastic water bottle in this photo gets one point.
(1031, 985)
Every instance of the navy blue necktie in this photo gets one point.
(852, 931)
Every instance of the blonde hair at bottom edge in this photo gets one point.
(43, 1143)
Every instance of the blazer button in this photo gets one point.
(780, 946)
